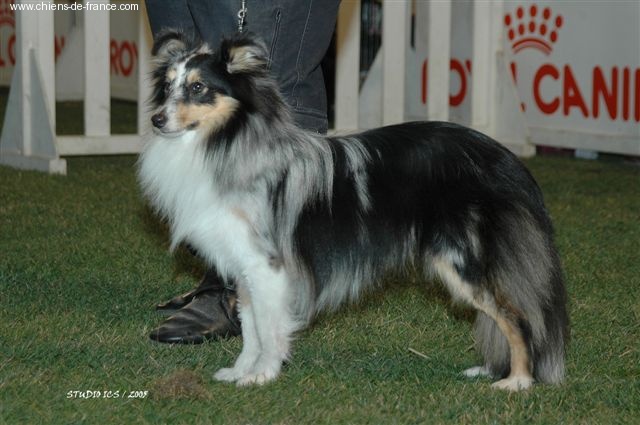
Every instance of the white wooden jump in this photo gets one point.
(29, 138)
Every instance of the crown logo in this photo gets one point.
(530, 28)
(7, 16)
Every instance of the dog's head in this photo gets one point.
(197, 89)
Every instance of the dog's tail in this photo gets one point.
(529, 279)
(549, 352)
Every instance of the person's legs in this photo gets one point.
(301, 37)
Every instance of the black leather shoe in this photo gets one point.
(177, 302)
(207, 312)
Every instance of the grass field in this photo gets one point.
(83, 262)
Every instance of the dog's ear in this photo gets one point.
(171, 42)
(244, 54)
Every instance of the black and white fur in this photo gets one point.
(304, 222)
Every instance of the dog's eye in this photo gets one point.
(196, 88)
(166, 87)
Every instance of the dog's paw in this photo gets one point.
(228, 374)
(262, 372)
(257, 378)
(514, 383)
(477, 371)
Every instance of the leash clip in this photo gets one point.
(242, 13)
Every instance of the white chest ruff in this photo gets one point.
(175, 178)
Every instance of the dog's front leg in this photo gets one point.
(270, 294)
(250, 342)
(267, 325)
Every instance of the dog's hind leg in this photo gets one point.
(492, 346)
(520, 376)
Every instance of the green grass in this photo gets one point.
(83, 262)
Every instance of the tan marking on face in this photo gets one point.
(206, 117)
(172, 74)
(193, 76)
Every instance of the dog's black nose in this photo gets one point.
(159, 120)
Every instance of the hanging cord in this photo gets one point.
(242, 13)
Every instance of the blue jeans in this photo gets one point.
(297, 33)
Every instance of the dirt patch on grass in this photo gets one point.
(181, 383)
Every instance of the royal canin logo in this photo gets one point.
(532, 28)
(605, 91)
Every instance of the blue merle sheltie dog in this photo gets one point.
(303, 222)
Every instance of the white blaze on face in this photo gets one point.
(182, 115)
(175, 77)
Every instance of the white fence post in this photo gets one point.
(439, 42)
(482, 63)
(396, 26)
(347, 66)
(144, 69)
(97, 78)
